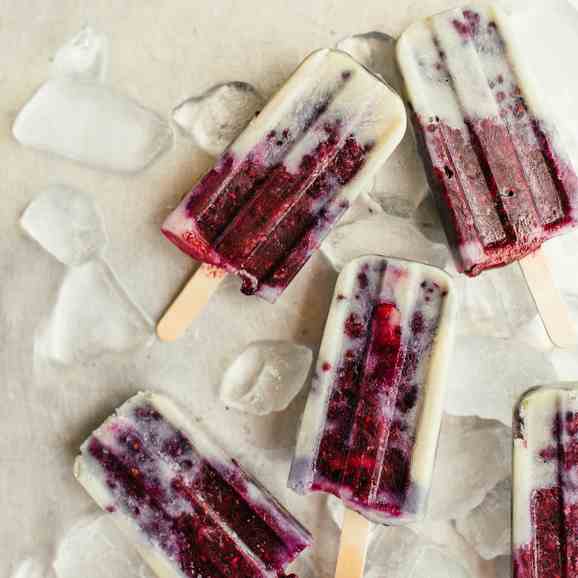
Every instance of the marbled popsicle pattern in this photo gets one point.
(370, 428)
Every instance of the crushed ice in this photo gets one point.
(376, 51)
(217, 117)
(495, 305)
(91, 124)
(392, 552)
(477, 454)
(364, 207)
(75, 116)
(381, 234)
(399, 552)
(487, 527)
(96, 548)
(67, 223)
(474, 387)
(266, 377)
(93, 313)
(84, 57)
(435, 563)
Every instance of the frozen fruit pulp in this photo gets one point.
(365, 451)
(187, 505)
(553, 552)
(501, 181)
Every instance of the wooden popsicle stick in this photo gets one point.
(190, 302)
(552, 308)
(353, 547)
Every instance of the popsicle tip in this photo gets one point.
(167, 331)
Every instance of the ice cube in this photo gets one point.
(266, 377)
(401, 181)
(496, 303)
(427, 220)
(443, 535)
(398, 552)
(84, 57)
(392, 552)
(477, 453)
(67, 223)
(376, 51)
(397, 206)
(217, 117)
(96, 548)
(434, 563)
(487, 527)
(93, 315)
(489, 375)
(364, 207)
(381, 234)
(90, 123)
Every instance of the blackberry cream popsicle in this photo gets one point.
(499, 171)
(370, 429)
(545, 488)
(275, 193)
(191, 511)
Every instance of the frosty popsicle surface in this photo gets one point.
(191, 511)
(370, 429)
(545, 489)
(275, 193)
(496, 164)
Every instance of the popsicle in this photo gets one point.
(370, 428)
(545, 489)
(496, 164)
(191, 511)
(272, 197)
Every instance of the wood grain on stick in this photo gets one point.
(190, 302)
(553, 310)
(353, 547)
